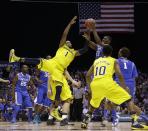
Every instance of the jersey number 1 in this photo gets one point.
(66, 53)
(125, 65)
(101, 70)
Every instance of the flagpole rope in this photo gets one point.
(70, 2)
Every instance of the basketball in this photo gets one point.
(89, 23)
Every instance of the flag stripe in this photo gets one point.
(112, 25)
(116, 11)
(111, 20)
(111, 17)
(111, 30)
(117, 6)
(117, 15)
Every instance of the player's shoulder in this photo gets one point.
(112, 58)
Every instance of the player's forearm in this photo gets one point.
(122, 82)
(92, 45)
(66, 31)
(88, 80)
(13, 92)
(96, 37)
(64, 35)
(88, 75)
(68, 76)
(2, 80)
(83, 50)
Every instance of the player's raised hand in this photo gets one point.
(73, 20)
(93, 25)
(86, 35)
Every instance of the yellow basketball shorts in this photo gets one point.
(65, 93)
(55, 70)
(57, 78)
(107, 88)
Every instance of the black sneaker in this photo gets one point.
(51, 121)
(85, 121)
(84, 125)
(64, 122)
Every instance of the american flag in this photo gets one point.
(111, 17)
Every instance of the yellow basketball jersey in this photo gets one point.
(104, 67)
(64, 56)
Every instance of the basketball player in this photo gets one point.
(130, 74)
(20, 94)
(103, 85)
(98, 47)
(41, 100)
(56, 68)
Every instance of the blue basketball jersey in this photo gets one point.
(128, 69)
(22, 82)
(99, 51)
(44, 78)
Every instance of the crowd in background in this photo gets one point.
(79, 105)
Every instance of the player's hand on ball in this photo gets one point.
(90, 24)
(73, 20)
(93, 25)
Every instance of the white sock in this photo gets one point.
(64, 116)
(50, 117)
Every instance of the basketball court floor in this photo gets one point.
(93, 126)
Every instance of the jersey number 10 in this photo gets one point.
(100, 70)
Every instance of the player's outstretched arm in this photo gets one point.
(91, 44)
(96, 36)
(65, 33)
(85, 48)
(5, 81)
(88, 75)
(75, 83)
(120, 76)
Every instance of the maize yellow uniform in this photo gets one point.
(56, 67)
(103, 85)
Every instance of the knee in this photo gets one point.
(69, 100)
(58, 92)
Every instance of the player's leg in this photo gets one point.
(55, 97)
(38, 105)
(17, 107)
(2, 111)
(66, 97)
(132, 90)
(28, 104)
(97, 95)
(14, 58)
(114, 94)
(109, 111)
(115, 117)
